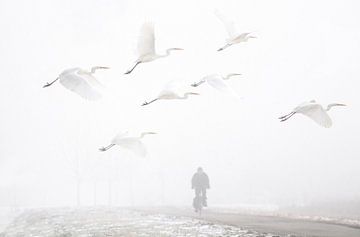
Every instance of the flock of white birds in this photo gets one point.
(83, 83)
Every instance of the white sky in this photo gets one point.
(305, 50)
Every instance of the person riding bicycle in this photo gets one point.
(200, 182)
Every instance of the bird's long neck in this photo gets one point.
(144, 134)
(249, 37)
(332, 105)
(228, 76)
(167, 53)
(186, 95)
(93, 69)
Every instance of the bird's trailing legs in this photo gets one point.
(49, 84)
(106, 148)
(129, 71)
(146, 103)
(196, 84)
(222, 48)
(286, 117)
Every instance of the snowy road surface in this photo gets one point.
(100, 222)
(161, 222)
(281, 226)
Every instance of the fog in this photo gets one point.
(49, 138)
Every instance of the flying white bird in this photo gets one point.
(146, 46)
(80, 81)
(134, 144)
(234, 37)
(217, 82)
(170, 92)
(314, 111)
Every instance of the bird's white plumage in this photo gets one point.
(146, 40)
(146, 46)
(317, 113)
(228, 24)
(314, 111)
(80, 83)
(239, 38)
(90, 79)
(133, 144)
(172, 91)
(217, 82)
(234, 37)
(118, 137)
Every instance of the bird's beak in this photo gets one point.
(193, 93)
(340, 104)
(104, 67)
(220, 49)
(194, 85)
(178, 49)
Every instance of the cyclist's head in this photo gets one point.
(199, 169)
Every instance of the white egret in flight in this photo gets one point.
(234, 37)
(314, 111)
(134, 144)
(217, 81)
(80, 81)
(170, 92)
(146, 46)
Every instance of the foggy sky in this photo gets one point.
(305, 50)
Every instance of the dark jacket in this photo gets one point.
(200, 180)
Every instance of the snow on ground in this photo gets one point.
(273, 211)
(7, 214)
(331, 220)
(96, 222)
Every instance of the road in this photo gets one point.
(264, 224)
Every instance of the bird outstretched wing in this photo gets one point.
(134, 145)
(242, 36)
(79, 85)
(317, 114)
(171, 88)
(219, 84)
(119, 136)
(228, 24)
(146, 40)
(93, 82)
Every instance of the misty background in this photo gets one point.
(49, 138)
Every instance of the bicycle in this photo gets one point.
(198, 204)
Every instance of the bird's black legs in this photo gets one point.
(196, 84)
(146, 103)
(106, 148)
(49, 84)
(222, 48)
(286, 117)
(129, 71)
(282, 117)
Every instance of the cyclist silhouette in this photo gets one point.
(200, 182)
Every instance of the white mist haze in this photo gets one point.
(49, 138)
